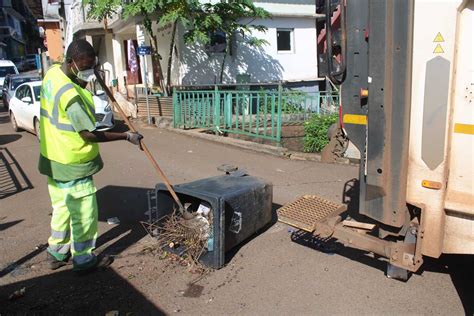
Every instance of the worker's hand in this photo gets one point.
(134, 137)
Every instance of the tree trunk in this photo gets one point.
(170, 57)
(156, 60)
(223, 66)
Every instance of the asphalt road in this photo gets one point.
(269, 274)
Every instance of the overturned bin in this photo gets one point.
(239, 206)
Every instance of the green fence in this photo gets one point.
(256, 113)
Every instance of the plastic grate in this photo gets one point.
(305, 211)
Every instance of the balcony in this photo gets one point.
(80, 23)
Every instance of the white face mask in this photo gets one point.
(86, 75)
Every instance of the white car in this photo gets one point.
(25, 109)
(7, 67)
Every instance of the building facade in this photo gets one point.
(290, 55)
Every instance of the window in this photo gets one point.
(37, 90)
(18, 81)
(285, 40)
(28, 93)
(6, 83)
(217, 43)
(7, 70)
(21, 92)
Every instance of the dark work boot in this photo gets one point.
(54, 263)
(101, 262)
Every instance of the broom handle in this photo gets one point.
(142, 143)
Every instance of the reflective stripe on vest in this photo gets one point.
(54, 119)
(60, 142)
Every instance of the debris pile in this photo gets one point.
(188, 234)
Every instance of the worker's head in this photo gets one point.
(80, 62)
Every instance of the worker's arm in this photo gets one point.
(82, 123)
(102, 137)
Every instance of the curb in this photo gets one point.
(262, 148)
(256, 147)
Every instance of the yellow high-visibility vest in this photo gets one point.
(59, 141)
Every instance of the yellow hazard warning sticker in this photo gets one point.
(464, 128)
(355, 119)
(439, 38)
(438, 49)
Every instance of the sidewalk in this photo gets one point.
(166, 123)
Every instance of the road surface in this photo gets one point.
(268, 275)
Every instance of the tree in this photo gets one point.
(230, 17)
(169, 12)
(164, 11)
(201, 20)
(102, 10)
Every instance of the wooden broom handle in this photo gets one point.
(142, 143)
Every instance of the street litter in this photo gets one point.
(113, 221)
(17, 294)
(187, 234)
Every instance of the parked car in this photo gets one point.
(7, 67)
(12, 82)
(104, 115)
(25, 109)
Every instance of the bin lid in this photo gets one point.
(220, 186)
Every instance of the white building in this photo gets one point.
(290, 55)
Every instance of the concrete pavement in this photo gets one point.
(267, 275)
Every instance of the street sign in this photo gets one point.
(144, 50)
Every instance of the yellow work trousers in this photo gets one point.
(74, 221)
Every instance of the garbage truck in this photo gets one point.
(405, 73)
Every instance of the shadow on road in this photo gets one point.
(4, 117)
(232, 252)
(12, 177)
(99, 292)
(9, 138)
(4, 226)
(460, 269)
(67, 294)
(17, 264)
(129, 205)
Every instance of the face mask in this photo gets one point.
(86, 75)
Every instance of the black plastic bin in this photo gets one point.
(241, 205)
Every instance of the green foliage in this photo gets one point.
(230, 17)
(292, 102)
(102, 9)
(200, 19)
(316, 132)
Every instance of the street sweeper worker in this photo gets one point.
(70, 157)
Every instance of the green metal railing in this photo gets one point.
(255, 113)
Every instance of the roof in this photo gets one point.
(4, 63)
(25, 75)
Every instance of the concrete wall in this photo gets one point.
(106, 55)
(119, 61)
(264, 64)
(163, 36)
(55, 42)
